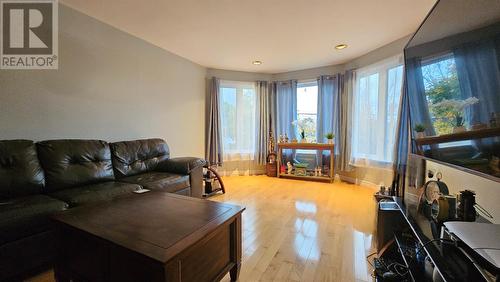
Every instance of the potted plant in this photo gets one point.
(330, 136)
(459, 124)
(420, 130)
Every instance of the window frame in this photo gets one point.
(239, 86)
(434, 59)
(381, 68)
(304, 84)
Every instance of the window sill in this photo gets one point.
(365, 163)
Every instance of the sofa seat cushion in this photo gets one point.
(94, 193)
(26, 216)
(162, 181)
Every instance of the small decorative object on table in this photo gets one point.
(420, 130)
(459, 126)
(271, 169)
(289, 168)
(329, 136)
(455, 108)
(301, 169)
(317, 171)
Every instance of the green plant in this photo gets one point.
(329, 135)
(419, 127)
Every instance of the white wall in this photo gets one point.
(109, 85)
(238, 75)
(391, 49)
(309, 73)
(487, 191)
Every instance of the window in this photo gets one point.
(237, 106)
(307, 108)
(441, 83)
(375, 112)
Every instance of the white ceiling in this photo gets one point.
(286, 35)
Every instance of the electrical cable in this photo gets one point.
(431, 241)
(368, 259)
(487, 248)
(482, 210)
(396, 270)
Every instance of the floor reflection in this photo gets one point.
(361, 242)
(305, 207)
(306, 239)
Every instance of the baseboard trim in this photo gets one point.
(358, 181)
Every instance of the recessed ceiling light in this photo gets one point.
(341, 46)
(257, 63)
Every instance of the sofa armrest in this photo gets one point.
(181, 165)
(191, 166)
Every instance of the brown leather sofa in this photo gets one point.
(37, 180)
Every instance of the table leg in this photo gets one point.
(59, 276)
(236, 248)
(234, 273)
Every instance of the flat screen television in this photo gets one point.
(452, 69)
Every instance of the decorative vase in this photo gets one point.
(420, 134)
(303, 140)
(458, 129)
(330, 141)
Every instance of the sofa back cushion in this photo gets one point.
(20, 171)
(139, 156)
(69, 163)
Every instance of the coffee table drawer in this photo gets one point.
(204, 261)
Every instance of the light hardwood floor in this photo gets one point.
(300, 231)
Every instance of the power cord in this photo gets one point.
(397, 267)
(487, 248)
(431, 241)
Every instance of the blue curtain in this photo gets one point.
(402, 134)
(346, 85)
(213, 150)
(328, 107)
(286, 102)
(419, 113)
(479, 76)
(266, 115)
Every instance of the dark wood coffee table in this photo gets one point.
(154, 236)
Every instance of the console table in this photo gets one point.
(307, 146)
